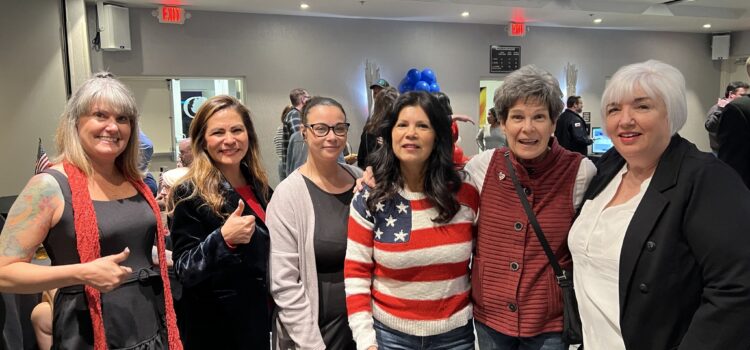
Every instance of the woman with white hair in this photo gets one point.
(661, 245)
(98, 222)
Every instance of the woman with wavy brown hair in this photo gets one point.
(371, 137)
(220, 237)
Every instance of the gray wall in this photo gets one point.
(740, 43)
(32, 87)
(327, 56)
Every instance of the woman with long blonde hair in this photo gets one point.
(98, 222)
(219, 232)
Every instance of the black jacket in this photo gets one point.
(734, 136)
(571, 132)
(225, 300)
(685, 260)
(368, 143)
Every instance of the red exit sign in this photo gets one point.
(517, 29)
(171, 14)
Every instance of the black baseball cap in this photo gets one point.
(380, 83)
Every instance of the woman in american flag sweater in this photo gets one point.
(411, 236)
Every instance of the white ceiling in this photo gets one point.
(676, 15)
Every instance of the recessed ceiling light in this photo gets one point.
(465, 14)
(304, 6)
(598, 20)
(707, 25)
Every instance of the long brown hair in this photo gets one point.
(205, 177)
(384, 101)
(441, 179)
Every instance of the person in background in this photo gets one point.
(458, 153)
(170, 177)
(734, 137)
(571, 130)
(147, 152)
(98, 222)
(292, 122)
(378, 86)
(41, 319)
(219, 233)
(491, 135)
(307, 218)
(661, 245)
(517, 302)
(713, 117)
(185, 156)
(371, 139)
(278, 142)
(411, 238)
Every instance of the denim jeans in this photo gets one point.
(490, 339)
(461, 338)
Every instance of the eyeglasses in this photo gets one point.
(322, 129)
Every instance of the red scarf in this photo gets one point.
(87, 242)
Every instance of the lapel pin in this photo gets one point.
(501, 176)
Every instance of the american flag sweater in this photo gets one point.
(406, 271)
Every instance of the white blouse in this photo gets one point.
(595, 241)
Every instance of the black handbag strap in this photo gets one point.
(562, 278)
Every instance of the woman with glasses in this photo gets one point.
(307, 217)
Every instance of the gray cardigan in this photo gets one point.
(293, 276)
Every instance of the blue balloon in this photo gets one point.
(402, 88)
(422, 86)
(413, 76)
(434, 87)
(405, 86)
(428, 76)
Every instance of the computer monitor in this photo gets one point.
(602, 143)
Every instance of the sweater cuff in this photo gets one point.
(224, 251)
(366, 341)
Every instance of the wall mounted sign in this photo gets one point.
(504, 59)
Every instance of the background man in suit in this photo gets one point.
(734, 136)
(571, 131)
(734, 89)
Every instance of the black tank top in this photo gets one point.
(134, 312)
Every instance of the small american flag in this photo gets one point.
(42, 162)
(392, 220)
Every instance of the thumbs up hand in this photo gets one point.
(238, 229)
(106, 273)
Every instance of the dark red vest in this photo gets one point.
(513, 285)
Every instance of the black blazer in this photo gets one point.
(685, 260)
(225, 300)
(734, 136)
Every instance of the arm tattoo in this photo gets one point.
(30, 217)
